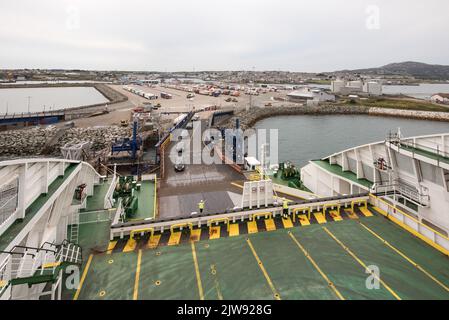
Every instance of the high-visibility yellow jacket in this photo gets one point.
(201, 205)
(285, 204)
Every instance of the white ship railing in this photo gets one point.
(435, 238)
(437, 151)
(416, 195)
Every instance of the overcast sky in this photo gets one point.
(171, 35)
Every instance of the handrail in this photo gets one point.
(212, 221)
(17, 253)
(34, 248)
(181, 225)
(262, 214)
(132, 233)
(412, 144)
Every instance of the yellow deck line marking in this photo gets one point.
(319, 217)
(234, 229)
(287, 222)
(153, 242)
(303, 220)
(197, 271)
(276, 294)
(214, 232)
(361, 263)
(130, 245)
(111, 246)
(195, 234)
(351, 214)
(174, 239)
(51, 264)
(335, 215)
(252, 226)
(83, 277)
(329, 282)
(385, 242)
(269, 224)
(216, 283)
(136, 281)
(366, 212)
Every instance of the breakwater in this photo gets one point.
(249, 117)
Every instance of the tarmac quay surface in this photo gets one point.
(180, 192)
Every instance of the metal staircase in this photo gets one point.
(74, 227)
(28, 265)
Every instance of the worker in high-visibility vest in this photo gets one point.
(201, 206)
(285, 206)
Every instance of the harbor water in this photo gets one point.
(303, 138)
(18, 100)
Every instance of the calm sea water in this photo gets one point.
(303, 138)
(15, 100)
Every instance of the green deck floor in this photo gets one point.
(229, 270)
(429, 154)
(96, 201)
(405, 279)
(31, 211)
(145, 195)
(336, 169)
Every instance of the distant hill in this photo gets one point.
(409, 68)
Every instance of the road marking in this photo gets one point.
(351, 214)
(130, 245)
(269, 224)
(214, 232)
(329, 282)
(83, 277)
(319, 217)
(366, 212)
(174, 239)
(252, 226)
(136, 281)
(361, 263)
(335, 215)
(303, 220)
(287, 222)
(195, 234)
(276, 294)
(197, 271)
(111, 246)
(213, 271)
(385, 242)
(234, 229)
(153, 242)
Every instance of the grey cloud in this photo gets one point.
(171, 35)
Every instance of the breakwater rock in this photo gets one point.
(31, 142)
(249, 117)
